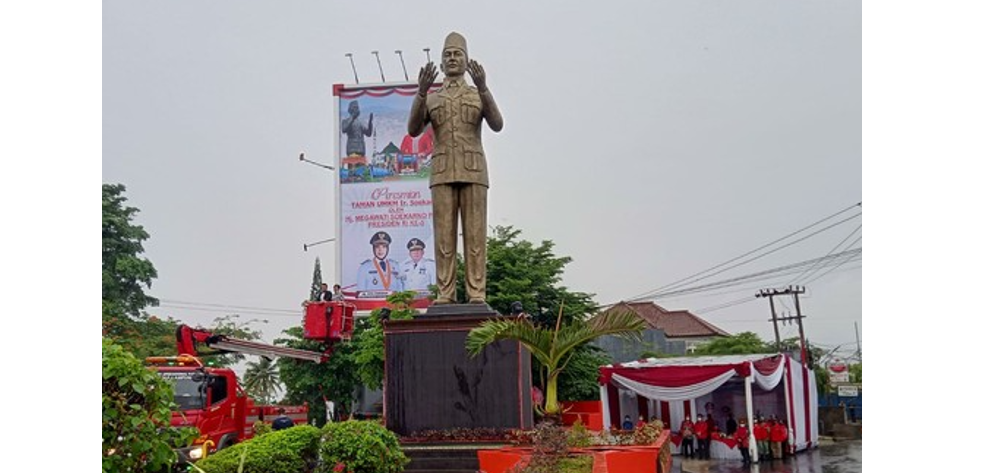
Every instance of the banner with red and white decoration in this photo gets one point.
(384, 198)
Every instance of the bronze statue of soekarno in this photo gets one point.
(459, 178)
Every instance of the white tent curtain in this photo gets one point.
(803, 418)
(673, 394)
(604, 396)
(769, 381)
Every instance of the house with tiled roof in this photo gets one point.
(674, 332)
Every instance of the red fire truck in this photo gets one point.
(212, 400)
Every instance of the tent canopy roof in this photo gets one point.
(719, 360)
(694, 371)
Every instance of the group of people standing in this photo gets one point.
(324, 295)
(770, 436)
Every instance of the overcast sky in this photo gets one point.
(649, 140)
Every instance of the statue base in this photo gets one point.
(460, 309)
(430, 382)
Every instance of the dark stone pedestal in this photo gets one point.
(460, 310)
(431, 382)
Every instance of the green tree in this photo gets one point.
(823, 380)
(125, 271)
(368, 338)
(151, 336)
(316, 281)
(518, 271)
(137, 405)
(855, 373)
(126, 275)
(579, 380)
(261, 380)
(744, 343)
(792, 345)
(352, 364)
(314, 383)
(553, 346)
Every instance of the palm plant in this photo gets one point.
(262, 380)
(553, 347)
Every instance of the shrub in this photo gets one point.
(550, 439)
(137, 404)
(462, 434)
(648, 433)
(550, 444)
(261, 428)
(360, 447)
(292, 450)
(579, 436)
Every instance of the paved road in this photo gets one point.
(838, 457)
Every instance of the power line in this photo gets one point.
(774, 250)
(760, 256)
(851, 255)
(226, 306)
(732, 303)
(812, 269)
(689, 278)
(840, 320)
(227, 311)
(834, 268)
(746, 286)
(726, 305)
(761, 276)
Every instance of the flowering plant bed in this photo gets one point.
(644, 450)
(468, 436)
(622, 459)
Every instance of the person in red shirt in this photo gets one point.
(741, 437)
(687, 437)
(703, 436)
(778, 435)
(762, 435)
(640, 423)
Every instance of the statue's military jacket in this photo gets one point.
(455, 113)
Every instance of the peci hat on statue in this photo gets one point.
(455, 40)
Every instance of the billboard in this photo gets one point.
(838, 371)
(385, 235)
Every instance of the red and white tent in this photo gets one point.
(747, 385)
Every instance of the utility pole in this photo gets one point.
(776, 328)
(795, 291)
(858, 344)
(800, 327)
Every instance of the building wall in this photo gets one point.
(690, 344)
(654, 340)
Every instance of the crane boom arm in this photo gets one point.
(188, 338)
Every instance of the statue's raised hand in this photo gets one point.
(426, 78)
(478, 75)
